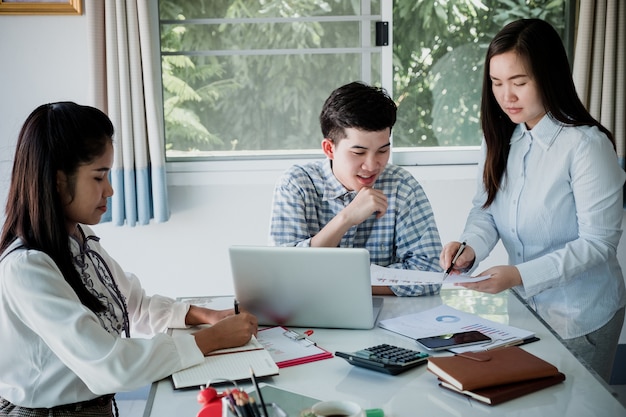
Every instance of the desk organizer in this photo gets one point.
(234, 403)
(273, 410)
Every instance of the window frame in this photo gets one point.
(183, 167)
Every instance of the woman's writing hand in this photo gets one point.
(463, 262)
(232, 331)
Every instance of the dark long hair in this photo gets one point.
(56, 137)
(540, 48)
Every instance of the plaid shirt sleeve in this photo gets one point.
(292, 207)
(418, 244)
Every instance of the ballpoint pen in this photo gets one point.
(456, 257)
(258, 392)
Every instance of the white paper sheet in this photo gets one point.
(392, 276)
(445, 319)
(229, 366)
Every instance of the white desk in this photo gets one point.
(416, 392)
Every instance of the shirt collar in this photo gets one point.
(333, 188)
(544, 133)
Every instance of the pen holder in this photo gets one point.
(212, 401)
(273, 410)
(233, 403)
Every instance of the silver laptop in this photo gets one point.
(305, 287)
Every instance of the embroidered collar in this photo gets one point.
(85, 256)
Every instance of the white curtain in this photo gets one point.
(600, 65)
(129, 84)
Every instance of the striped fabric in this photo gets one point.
(134, 106)
(98, 407)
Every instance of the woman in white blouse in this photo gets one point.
(68, 312)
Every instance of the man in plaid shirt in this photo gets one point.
(354, 198)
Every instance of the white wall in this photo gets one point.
(46, 58)
(210, 216)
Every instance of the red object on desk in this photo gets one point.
(211, 402)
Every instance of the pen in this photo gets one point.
(255, 409)
(304, 335)
(458, 253)
(258, 391)
(236, 307)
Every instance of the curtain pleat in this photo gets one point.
(599, 69)
(133, 104)
(150, 53)
(620, 85)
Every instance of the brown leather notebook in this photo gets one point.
(472, 370)
(501, 393)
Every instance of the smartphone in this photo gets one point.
(453, 340)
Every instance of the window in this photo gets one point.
(247, 79)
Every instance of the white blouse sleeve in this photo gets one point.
(46, 307)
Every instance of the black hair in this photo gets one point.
(541, 50)
(57, 137)
(357, 105)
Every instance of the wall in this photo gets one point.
(43, 59)
(210, 216)
(47, 59)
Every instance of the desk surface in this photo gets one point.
(416, 391)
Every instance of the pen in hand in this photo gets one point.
(456, 257)
(236, 307)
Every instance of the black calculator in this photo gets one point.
(385, 358)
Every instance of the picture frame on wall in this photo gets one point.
(43, 7)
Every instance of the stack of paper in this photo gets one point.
(444, 319)
(496, 376)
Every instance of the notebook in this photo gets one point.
(474, 370)
(305, 287)
(230, 364)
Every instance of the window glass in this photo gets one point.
(248, 78)
(439, 49)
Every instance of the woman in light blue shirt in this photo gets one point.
(552, 191)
